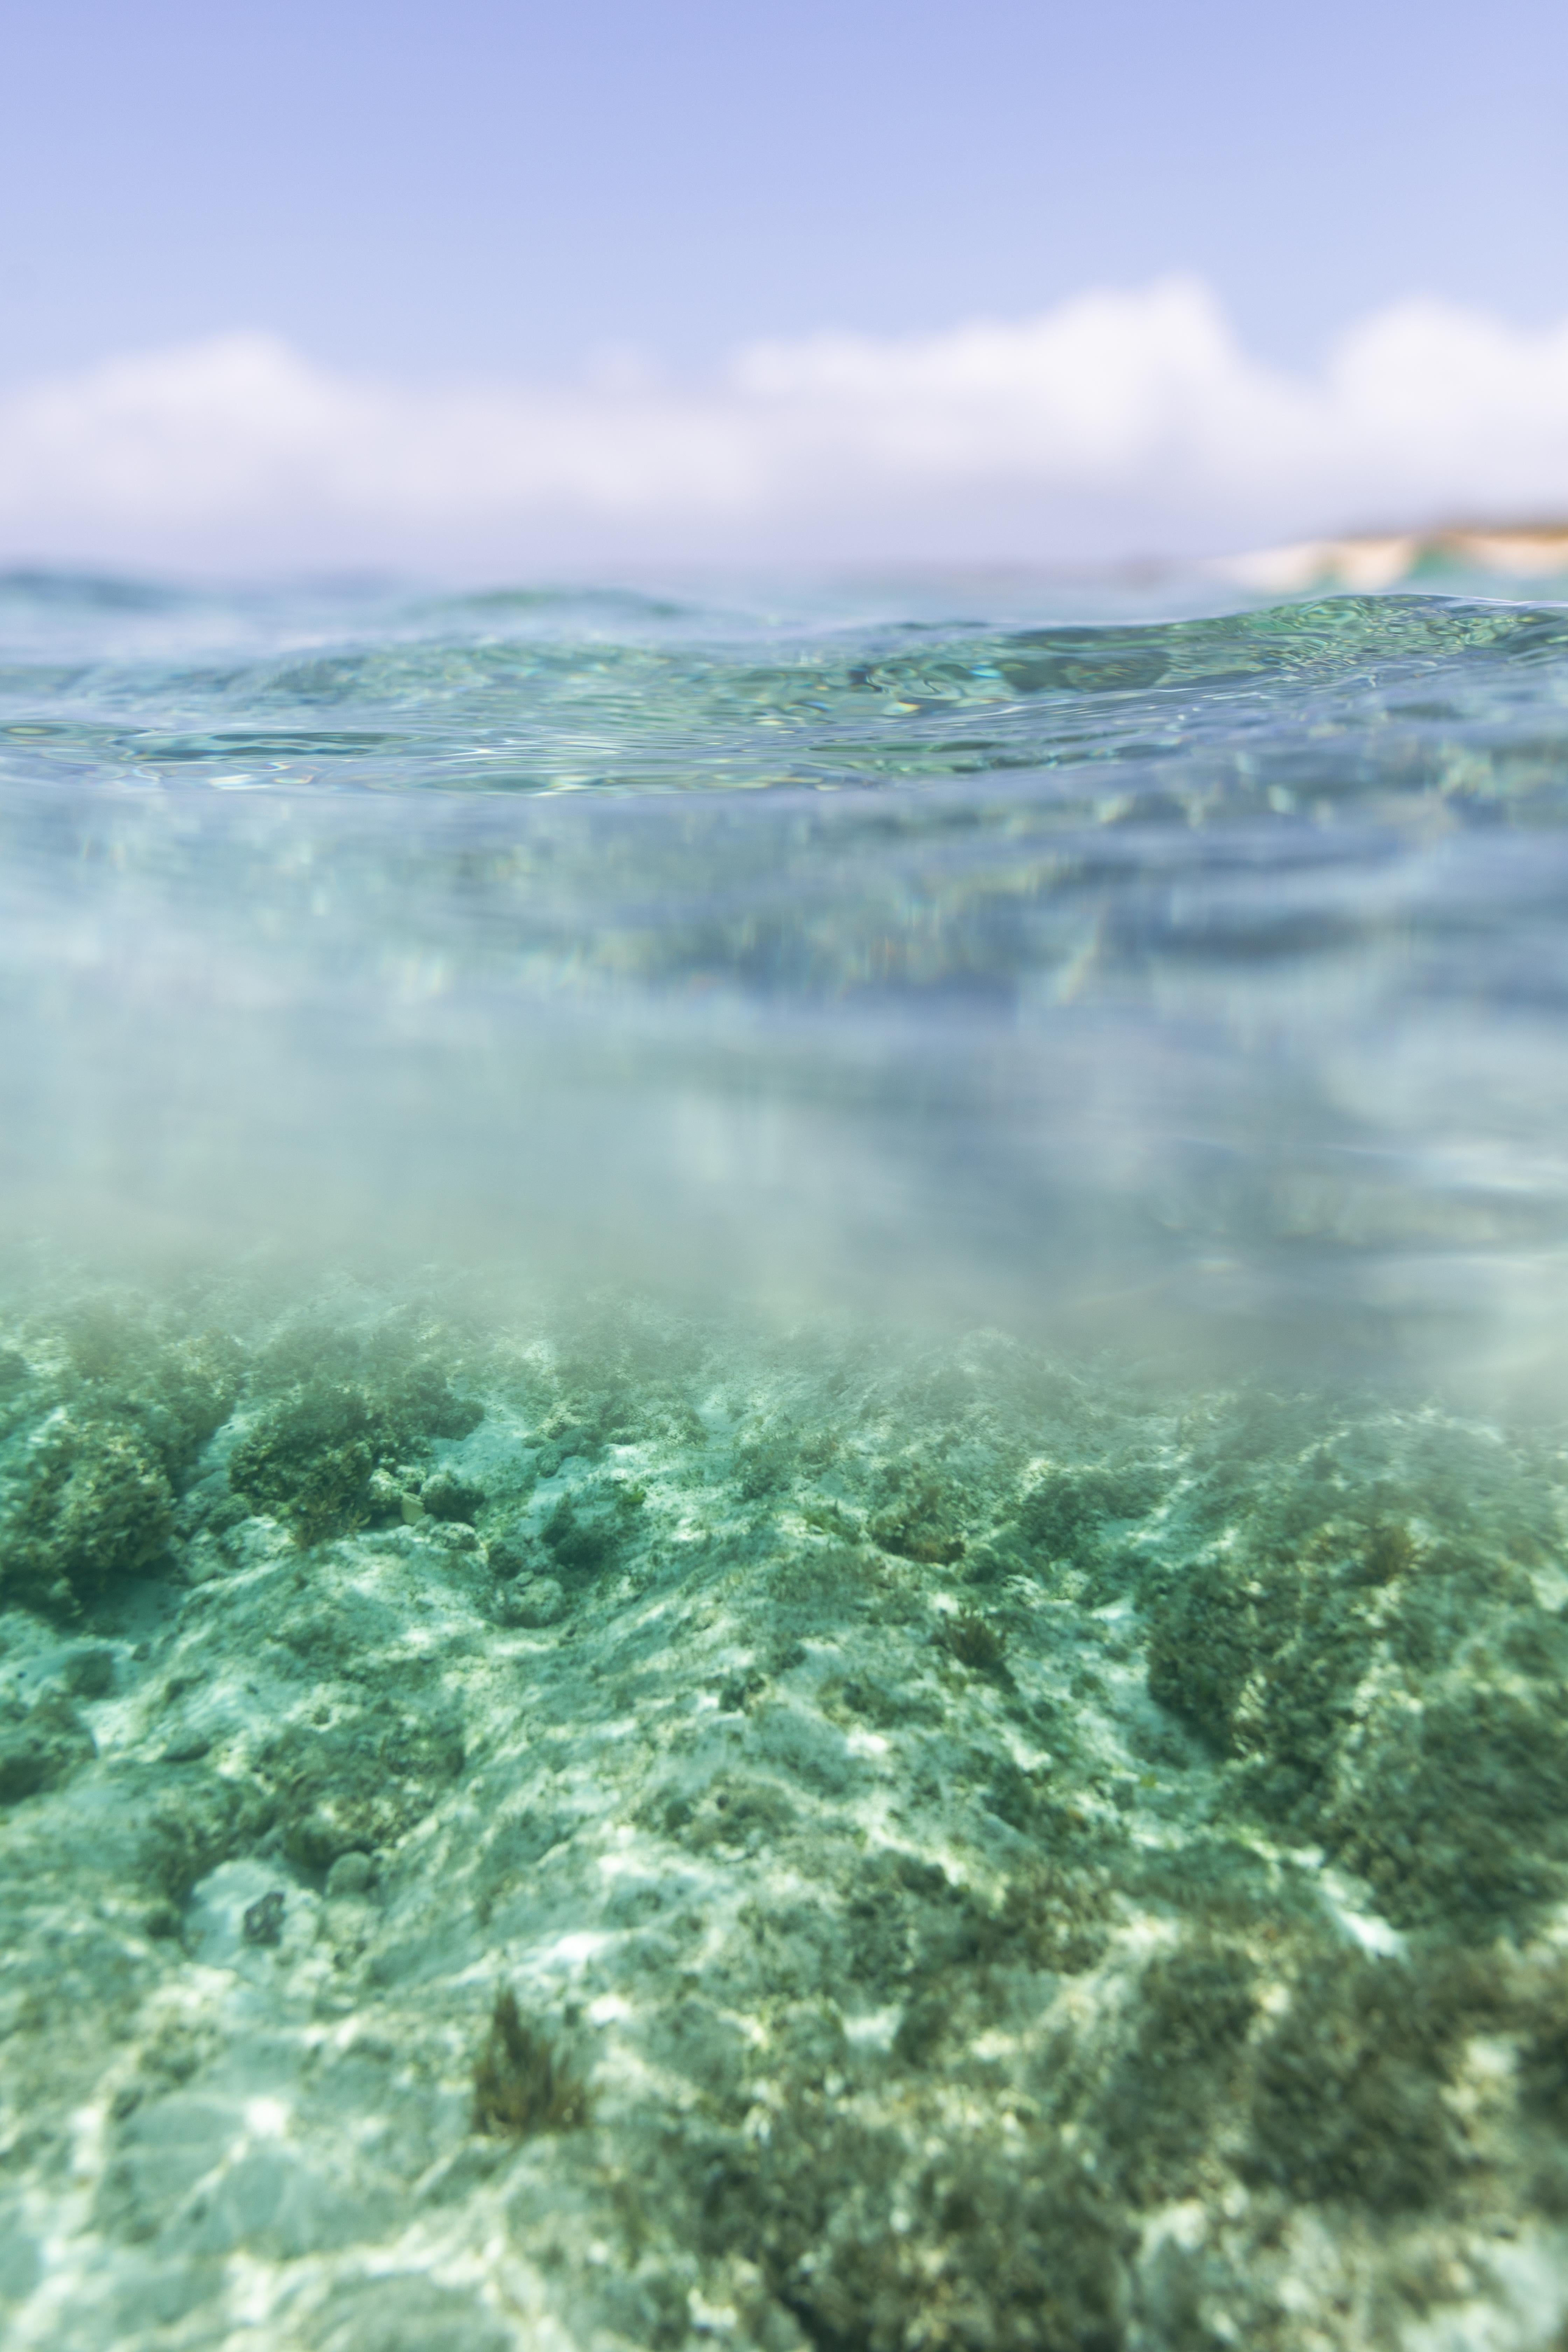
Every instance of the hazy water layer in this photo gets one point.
(1199, 973)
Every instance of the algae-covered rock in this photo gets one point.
(1064, 1515)
(583, 1542)
(1179, 2068)
(310, 1460)
(1204, 1644)
(867, 2240)
(924, 1524)
(513, 1552)
(1348, 2102)
(448, 1497)
(127, 1403)
(40, 1745)
(956, 1806)
(210, 1818)
(89, 1672)
(1398, 1699)
(180, 1397)
(354, 1785)
(312, 1456)
(1456, 1807)
(1054, 1915)
(99, 1510)
(534, 1601)
(176, 1385)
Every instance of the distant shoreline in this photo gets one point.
(1373, 560)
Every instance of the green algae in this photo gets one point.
(972, 1638)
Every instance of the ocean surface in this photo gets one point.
(974, 957)
(783, 1467)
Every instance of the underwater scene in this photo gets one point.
(783, 1467)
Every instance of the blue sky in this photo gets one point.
(554, 195)
(510, 188)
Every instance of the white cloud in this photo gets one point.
(1116, 423)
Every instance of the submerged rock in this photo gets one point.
(356, 1784)
(534, 1601)
(314, 1454)
(98, 1512)
(40, 1747)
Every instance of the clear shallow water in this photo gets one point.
(529, 1816)
(1174, 980)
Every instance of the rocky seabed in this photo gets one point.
(606, 1832)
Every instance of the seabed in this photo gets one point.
(619, 1829)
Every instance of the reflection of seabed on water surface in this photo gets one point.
(1157, 1178)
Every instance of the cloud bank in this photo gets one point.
(1118, 424)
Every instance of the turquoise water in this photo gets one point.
(783, 1471)
(1199, 977)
